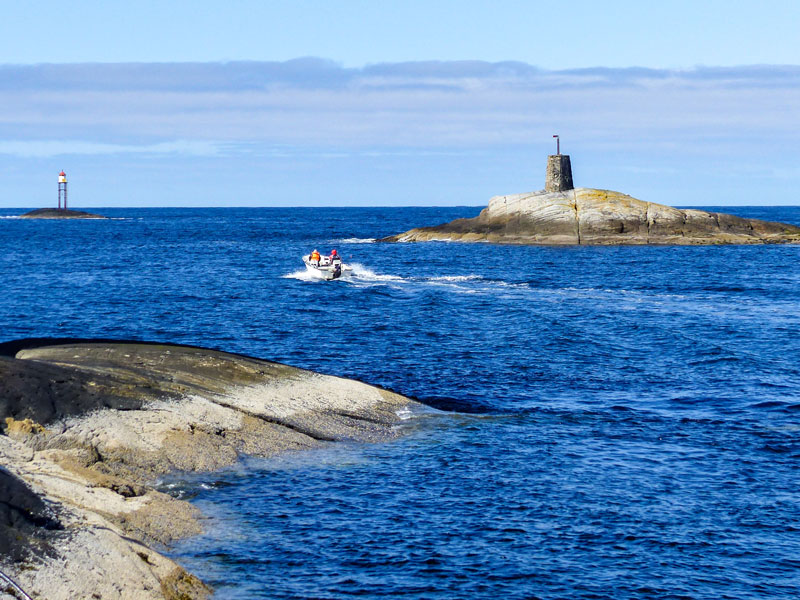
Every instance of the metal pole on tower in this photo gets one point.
(558, 145)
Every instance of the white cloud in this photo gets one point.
(215, 108)
(51, 148)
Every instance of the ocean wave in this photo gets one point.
(302, 275)
(456, 278)
(471, 283)
(356, 241)
(359, 273)
(404, 414)
(367, 274)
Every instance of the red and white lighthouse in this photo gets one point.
(62, 190)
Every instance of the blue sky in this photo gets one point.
(415, 103)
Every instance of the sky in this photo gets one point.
(348, 103)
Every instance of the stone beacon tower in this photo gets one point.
(559, 171)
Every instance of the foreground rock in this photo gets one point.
(89, 425)
(57, 213)
(599, 217)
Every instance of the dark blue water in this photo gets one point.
(614, 422)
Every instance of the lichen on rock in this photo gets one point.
(588, 216)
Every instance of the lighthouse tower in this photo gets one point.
(62, 190)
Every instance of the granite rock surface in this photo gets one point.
(89, 426)
(590, 216)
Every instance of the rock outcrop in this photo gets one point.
(599, 217)
(59, 213)
(89, 425)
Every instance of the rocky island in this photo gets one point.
(561, 214)
(89, 425)
(59, 213)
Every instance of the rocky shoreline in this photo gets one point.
(89, 425)
(588, 216)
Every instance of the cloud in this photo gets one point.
(317, 73)
(213, 109)
(51, 148)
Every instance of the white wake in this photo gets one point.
(356, 241)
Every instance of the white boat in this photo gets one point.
(327, 269)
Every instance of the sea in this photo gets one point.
(599, 422)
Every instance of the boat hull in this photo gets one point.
(327, 272)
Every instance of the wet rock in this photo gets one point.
(180, 585)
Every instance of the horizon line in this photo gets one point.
(343, 206)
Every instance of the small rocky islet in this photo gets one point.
(87, 426)
(59, 213)
(563, 215)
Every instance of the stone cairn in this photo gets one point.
(559, 174)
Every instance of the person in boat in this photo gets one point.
(314, 257)
(336, 261)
